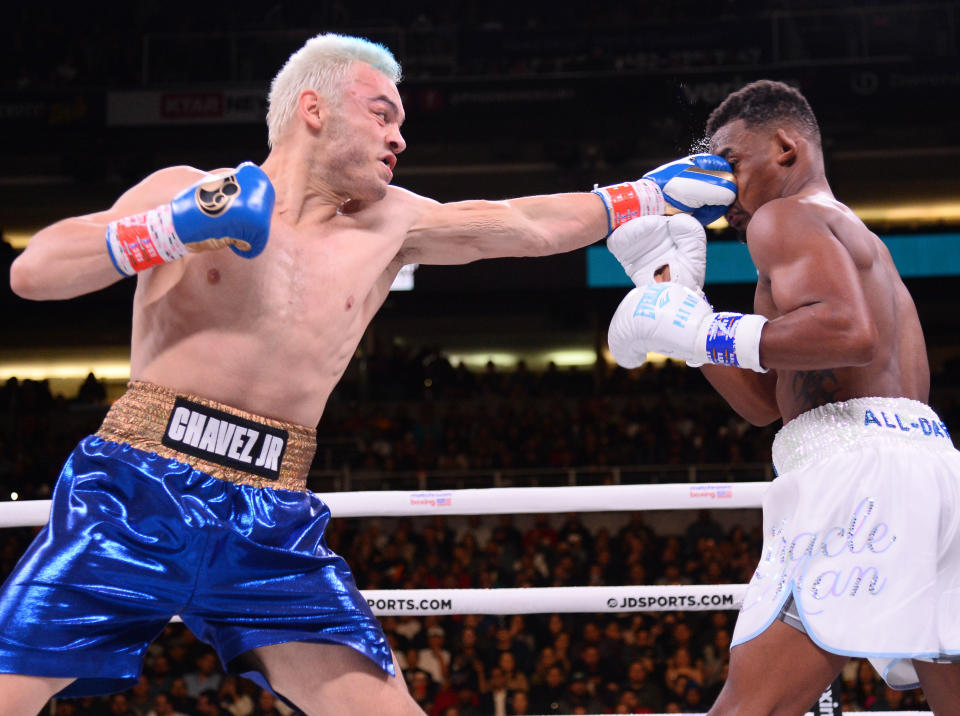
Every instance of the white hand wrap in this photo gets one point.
(136, 243)
(644, 245)
(629, 200)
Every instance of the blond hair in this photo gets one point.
(321, 64)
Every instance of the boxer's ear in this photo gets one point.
(312, 109)
(786, 148)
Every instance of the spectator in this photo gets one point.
(466, 664)
(506, 641)
(163, 707)
(234, 696)
(519, 704)
(208, 705)
(139, 697)
(179, 698)
(714, 656)
(435, 659)
(680, 665)
(579, 696)
(493, 699)
(647, 693)
(514, 680)
(120, 706)
(161, 677)
(547, 697)
(205, 677)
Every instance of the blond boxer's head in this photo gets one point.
(322, 65)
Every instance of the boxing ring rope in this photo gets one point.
(523, 500)
(519, 500)
(494, 501)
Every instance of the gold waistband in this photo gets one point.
(141, 417)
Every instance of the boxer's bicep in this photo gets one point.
(803, 261)
(459, 232)
(69, 257)
(823, 314)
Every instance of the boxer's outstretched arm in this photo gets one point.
(70, 258)
(464, 231)
(460, 232)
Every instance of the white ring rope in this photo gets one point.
(548, 600)
(494, 501)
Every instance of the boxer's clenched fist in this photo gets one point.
(230, 209)
(649, 244)
(701, 185)
(673, 320)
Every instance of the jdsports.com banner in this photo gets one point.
(547, 600)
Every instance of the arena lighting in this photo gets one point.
(567, 357)
(910, 214)
(571, 356)
(66, 364)
(114, 365)
(477, 360)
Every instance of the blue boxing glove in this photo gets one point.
(701, 185)
(229, 209)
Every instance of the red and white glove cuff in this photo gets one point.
(142, 241)
(629, 200)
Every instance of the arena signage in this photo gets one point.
(154, 108)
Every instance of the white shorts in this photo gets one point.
(860, 527)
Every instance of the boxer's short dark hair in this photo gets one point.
(762, 102)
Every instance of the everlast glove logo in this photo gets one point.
(215, 196)
(225, 439)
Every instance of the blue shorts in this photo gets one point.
(135, 538)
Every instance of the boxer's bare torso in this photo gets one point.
(272, 335)
(842, 323)
(898, 366)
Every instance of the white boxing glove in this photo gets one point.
(673, 320)
(645, 245)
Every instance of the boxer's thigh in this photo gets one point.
(779, 672)
(332, 679)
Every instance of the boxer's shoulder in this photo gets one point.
(785, 224)
(158, 186)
